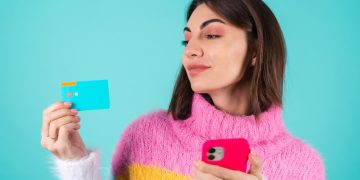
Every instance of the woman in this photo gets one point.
(230, 86)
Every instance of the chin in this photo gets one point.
(200, 88)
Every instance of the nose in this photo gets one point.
(192, 52)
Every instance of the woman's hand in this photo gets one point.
(204, 171)
(59, 132)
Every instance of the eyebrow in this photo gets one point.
(204, 24)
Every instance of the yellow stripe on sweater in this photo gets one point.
(142, 172)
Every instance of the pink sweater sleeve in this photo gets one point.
(316, 170)
(305, 161)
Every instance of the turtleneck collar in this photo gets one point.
(211, 123)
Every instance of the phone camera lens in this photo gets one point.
(212, 150)
(211, 157)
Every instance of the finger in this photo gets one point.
(56, 106)
(255, 165)
(46, 116)
(220, 172)
(66, 130)
(62, 113)
(56, 124)
(56, 115)
(198, 175)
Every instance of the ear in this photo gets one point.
(253, 62)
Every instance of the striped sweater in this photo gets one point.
(155, 146)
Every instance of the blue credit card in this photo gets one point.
(86, 95)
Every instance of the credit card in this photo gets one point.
(86, 95)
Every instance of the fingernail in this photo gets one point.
(77, 118)
(67, 104)
(74, 111)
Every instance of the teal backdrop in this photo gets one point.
(136, 46)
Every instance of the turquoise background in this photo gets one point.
(136, 46)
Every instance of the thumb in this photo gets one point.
(255, 165)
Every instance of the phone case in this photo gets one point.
(228, 153)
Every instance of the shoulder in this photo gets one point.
(145, 123)
(308, 152)
(148, 120)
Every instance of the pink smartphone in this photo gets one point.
(228, 153)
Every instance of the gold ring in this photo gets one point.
(52, 138)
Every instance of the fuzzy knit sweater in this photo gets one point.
(155, 146)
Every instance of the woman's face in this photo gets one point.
(214, 55)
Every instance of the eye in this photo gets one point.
(211, 36)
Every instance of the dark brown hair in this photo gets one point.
(265, 41)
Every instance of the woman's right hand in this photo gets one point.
(60, 133)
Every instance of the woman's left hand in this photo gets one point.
(204, 171)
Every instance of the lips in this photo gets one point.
(196, 69)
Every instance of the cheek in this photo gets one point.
(228, 60)
(183, 60)
(237, 54)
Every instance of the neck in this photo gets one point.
(233, 99)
